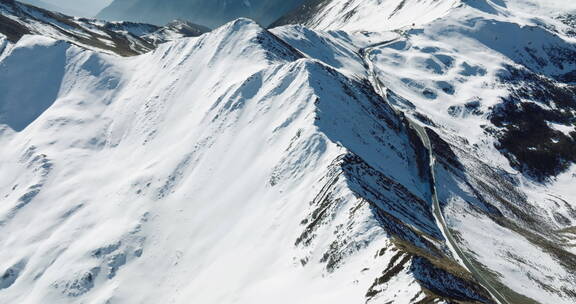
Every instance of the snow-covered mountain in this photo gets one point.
(494, 80)
(173, 30)
(362, 152)
(210, 13)
(123, 38)
(367, 15)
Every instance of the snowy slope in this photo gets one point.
(367, 15)
(493, 80)
(292, 165)
(278, 180)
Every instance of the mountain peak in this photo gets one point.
(239, 23)
(371, 151)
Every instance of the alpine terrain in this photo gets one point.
(356, 151)
(210, 13)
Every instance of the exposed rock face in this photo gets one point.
(123, 38)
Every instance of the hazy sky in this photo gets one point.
(86, 8)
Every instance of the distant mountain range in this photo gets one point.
(122, 38)
(209, 13)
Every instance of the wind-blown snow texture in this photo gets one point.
(256, 166)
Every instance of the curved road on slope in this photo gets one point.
(437, 211)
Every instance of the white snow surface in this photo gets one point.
(379, 15)
(182, 175)
(448, 72)
(445, 67)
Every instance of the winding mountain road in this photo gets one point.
(437, 210)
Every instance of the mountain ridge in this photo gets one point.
(123, 38)
(346, 159)
(316, 111)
